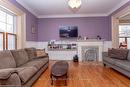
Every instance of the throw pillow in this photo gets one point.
(41, 53)
(31, 52)
(20, 56)
(118, 53)
(7, 60)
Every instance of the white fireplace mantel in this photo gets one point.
(98, 44)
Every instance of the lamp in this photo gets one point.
(74, 4)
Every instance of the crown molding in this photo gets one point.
(117, 7)
(28, 8)
(71, 15)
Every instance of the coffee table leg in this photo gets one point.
(66, 76)
(65, 82)
(51, 81)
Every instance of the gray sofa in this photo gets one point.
(20, 68)
(123, 66)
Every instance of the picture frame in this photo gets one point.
(33, 30)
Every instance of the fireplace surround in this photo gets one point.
(95, 44)
(90, 53)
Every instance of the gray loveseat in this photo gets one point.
(20, 68)
(123, 66)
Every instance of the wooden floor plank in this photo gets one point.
(86, 74)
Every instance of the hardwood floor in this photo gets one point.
(86, 74)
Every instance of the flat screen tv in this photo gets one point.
(68, 31)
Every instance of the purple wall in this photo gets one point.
(31, 20)
(48, 28)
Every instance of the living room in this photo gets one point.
(67, 43)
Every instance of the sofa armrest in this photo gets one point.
(12, 81)
(6, 73)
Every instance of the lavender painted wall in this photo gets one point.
(48, 28)
(31, 20)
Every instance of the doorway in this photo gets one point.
(124, 36)
(121, 28)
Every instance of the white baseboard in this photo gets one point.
(42, 45)
(107, 44)
(31, 44)
(38, 45)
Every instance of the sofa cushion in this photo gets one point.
(20, 57)
(6, 60)
(109, 60)
(26, 73)
(31, 52)
(38, 63)
(118, 53)
(124, 64)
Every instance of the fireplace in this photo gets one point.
(90, 50)
(90, 53)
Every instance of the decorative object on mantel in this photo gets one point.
(85, 38)
(99, 37)
(62, 47)
(74, 4)
(79, 37)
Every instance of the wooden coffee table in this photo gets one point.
(59, 71)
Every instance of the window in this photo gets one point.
(1, 41)
(124, 36)
(7, 30)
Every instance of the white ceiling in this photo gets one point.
(59, 8)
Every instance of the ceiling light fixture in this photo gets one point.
(74, 4)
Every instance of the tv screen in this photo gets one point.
(68, 31)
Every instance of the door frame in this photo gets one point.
(115, 25)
